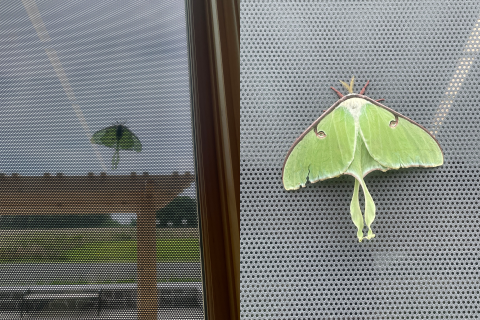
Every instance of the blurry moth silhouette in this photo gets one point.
(118, 137)
(355, 136)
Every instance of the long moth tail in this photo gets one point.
(116, 158)
(369, 211)
(357, 213)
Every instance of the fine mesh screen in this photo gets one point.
(69, 69)
(300, 258)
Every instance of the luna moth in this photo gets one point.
(118, 137)
(355, 136)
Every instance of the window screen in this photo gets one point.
(300, 258)
(69, 70)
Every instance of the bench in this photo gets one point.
(11, 298)
(31, 298)
(170, 295)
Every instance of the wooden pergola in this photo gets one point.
(143, 194)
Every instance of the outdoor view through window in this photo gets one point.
(97, 171)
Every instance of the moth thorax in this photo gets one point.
(119, 132)
(354, 105)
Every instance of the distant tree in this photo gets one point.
(57, 221)
(181, 212)
(133, 222)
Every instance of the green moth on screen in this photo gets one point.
(355, 136)
(118, 137)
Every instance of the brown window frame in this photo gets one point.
(213, 28)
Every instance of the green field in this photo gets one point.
(72, 246)
(168, 250)
(85, 282)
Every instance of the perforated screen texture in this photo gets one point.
(300, 258)
(98, 209)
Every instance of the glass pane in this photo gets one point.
(95, 117)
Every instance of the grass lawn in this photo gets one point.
(168, 250)
(85, 282)
(94, 245)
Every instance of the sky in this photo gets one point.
(70, 68)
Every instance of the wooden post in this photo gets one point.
(146, 255)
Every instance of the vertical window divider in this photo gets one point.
(213, 34)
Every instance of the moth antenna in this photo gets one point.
(345, 85)
(380, 100)
(348, 87)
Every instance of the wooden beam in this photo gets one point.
(63, 195)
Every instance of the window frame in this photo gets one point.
(213, 29)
